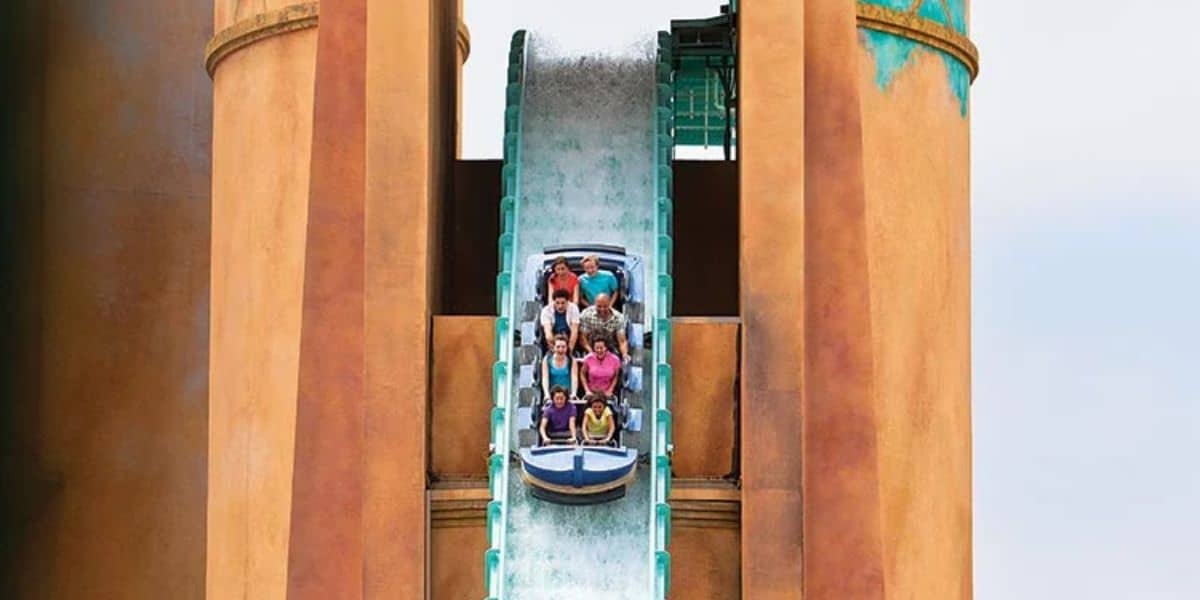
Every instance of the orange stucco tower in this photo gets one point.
(855, 254)
(262, 366)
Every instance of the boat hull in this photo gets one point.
(578, 475)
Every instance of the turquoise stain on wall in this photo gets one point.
(960, 80)
(893, 4)
(934, 10)
(958, 15)
(892, 53)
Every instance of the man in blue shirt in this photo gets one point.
(595, 282)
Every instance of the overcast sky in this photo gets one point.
(1086, 266)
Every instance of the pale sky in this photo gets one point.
(1086, 255)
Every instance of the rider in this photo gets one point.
(560, 317)
(558, 419)
(595, 282)
(563, 279)
(598, 423)
(601, 370)
(602, 321)
(559, 369)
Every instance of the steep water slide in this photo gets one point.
(587, 161)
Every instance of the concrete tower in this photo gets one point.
(256, 309)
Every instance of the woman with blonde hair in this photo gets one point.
(595, 282)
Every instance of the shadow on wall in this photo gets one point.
(705, 237)
(23, 484)
(104, 244)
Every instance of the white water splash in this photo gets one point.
(587, 175)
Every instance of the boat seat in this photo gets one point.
(612, 266)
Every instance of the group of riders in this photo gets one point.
(588, 347)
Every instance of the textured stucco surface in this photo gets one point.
(452, 575)
(771, 164)
(705, 563)
(123, 420)
(405, 101)
(326, 557)
(121, 415)
(262, 133)
(228, 12)
(461, 399)
(882, 350)
(916, 160)
(891, 54)
(842, 554)
(945, 12)
(410, 100)
(704, 378)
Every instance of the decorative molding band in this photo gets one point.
(464, 41)
(921, 30)
(699, 503)
(257, 28)
(706, 503)
(458, 503)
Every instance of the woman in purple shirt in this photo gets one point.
(558, 419)
(601, 369)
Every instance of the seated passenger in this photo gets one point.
(561, 317)
(601, 370)
(558, 419)
(563, 279)
(598, 423)
(602, 321)
(595, 282)
(559, 369)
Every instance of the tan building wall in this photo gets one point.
(118, 424)
(262, 134)
(129, 320)
(705, 546)
(880, 493)
(704, 376)
(919, 243)
(771, 121)
(310, 522)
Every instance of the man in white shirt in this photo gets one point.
(561, 316)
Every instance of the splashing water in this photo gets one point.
(588, 156)
(587, 163)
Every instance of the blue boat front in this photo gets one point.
(578, 474)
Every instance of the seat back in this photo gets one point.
(575, 263)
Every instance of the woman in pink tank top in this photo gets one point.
(601, 369)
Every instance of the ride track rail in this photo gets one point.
(662, 446)
(499, 464)
(503, 414)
